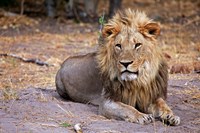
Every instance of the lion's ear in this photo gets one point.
(150, 30)
(110, 30)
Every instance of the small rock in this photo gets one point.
(180, 68)
(78, 128)
(196, 67)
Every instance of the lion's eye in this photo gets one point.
(118, 46)
(138, 45)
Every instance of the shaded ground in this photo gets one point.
(29, 102)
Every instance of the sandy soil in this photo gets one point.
(42, 110)
(29, 101)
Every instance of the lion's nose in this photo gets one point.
(126, 63)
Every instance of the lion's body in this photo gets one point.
(128, 69)
(78, 79)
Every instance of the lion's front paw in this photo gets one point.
(144, 119)
(170, 119)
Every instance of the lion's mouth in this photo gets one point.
(127, 71)
(129, 75)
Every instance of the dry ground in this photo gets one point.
(29, 102)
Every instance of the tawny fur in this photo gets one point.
(152, 84)
(127, 76)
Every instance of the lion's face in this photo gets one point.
(129, 50)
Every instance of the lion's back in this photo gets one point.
(78, 79)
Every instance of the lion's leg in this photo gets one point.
(162, 111)
(118, 110)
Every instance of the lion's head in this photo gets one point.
(128, 48)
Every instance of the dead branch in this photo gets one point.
(22, 7)
(35, 61)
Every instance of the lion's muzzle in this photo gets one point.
(127, 73)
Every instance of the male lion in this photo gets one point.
(127, 76)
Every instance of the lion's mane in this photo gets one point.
(144, 90)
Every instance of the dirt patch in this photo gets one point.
(42, 110)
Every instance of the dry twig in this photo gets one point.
(35, 61)
(67, 112)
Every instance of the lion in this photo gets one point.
(127, 76)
